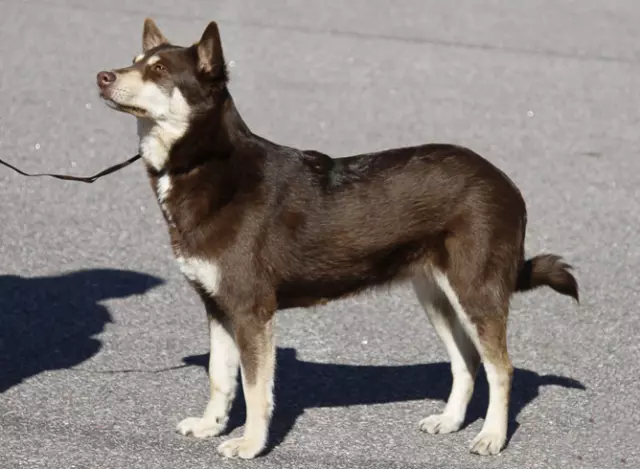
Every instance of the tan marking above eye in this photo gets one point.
(153, 59)
(138, 58)
(159, 67)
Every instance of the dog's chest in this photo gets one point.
(155, 153)
(155, 142)
(205, 272)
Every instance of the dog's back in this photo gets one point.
(354, 222)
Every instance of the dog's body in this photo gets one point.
(258, 227)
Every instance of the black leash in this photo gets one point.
(65, 177)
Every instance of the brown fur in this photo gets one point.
(292, 228)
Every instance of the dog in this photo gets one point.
(258, 227)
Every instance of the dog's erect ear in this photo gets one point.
(210, 57)
(151, 36)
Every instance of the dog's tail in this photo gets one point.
(547, 270)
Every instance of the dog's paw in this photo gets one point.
(488, 443)
(244, 448)
(200, 427)
(440, 423)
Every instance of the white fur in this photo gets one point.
(206, 273)
(224, 360)
(461, 353)
(164, 187)
(167, 117)
(153, 59)
(170, 120)
(443, 282)
(493, 435)
(259, 403)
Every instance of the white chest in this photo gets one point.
(204, 272)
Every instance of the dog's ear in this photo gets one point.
(151, 36)
(210, 57)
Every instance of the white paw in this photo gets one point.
(488, 443)
(244, 448)
(440, 423)
(200, 428)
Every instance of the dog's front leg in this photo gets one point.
(254, 337)
(224, 361)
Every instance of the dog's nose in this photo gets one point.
(105, 78)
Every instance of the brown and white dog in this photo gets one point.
(257, 227)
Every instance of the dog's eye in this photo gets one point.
(159, 68)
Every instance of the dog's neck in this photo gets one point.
(157, 139)
(191, 138)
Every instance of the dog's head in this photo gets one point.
(165, 81)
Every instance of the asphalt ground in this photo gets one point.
(102, 342)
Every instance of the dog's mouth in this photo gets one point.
(134, 110)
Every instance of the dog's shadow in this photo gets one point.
(49, 323)
(301, 385)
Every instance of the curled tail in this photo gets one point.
(549, 270)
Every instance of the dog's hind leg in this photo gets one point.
(224, 361)
(462, 354)
(499, 372)
(482, 310)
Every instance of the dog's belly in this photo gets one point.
(305, 292)
(301, 302)
(326, 273)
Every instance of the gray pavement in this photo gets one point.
(102, 341)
